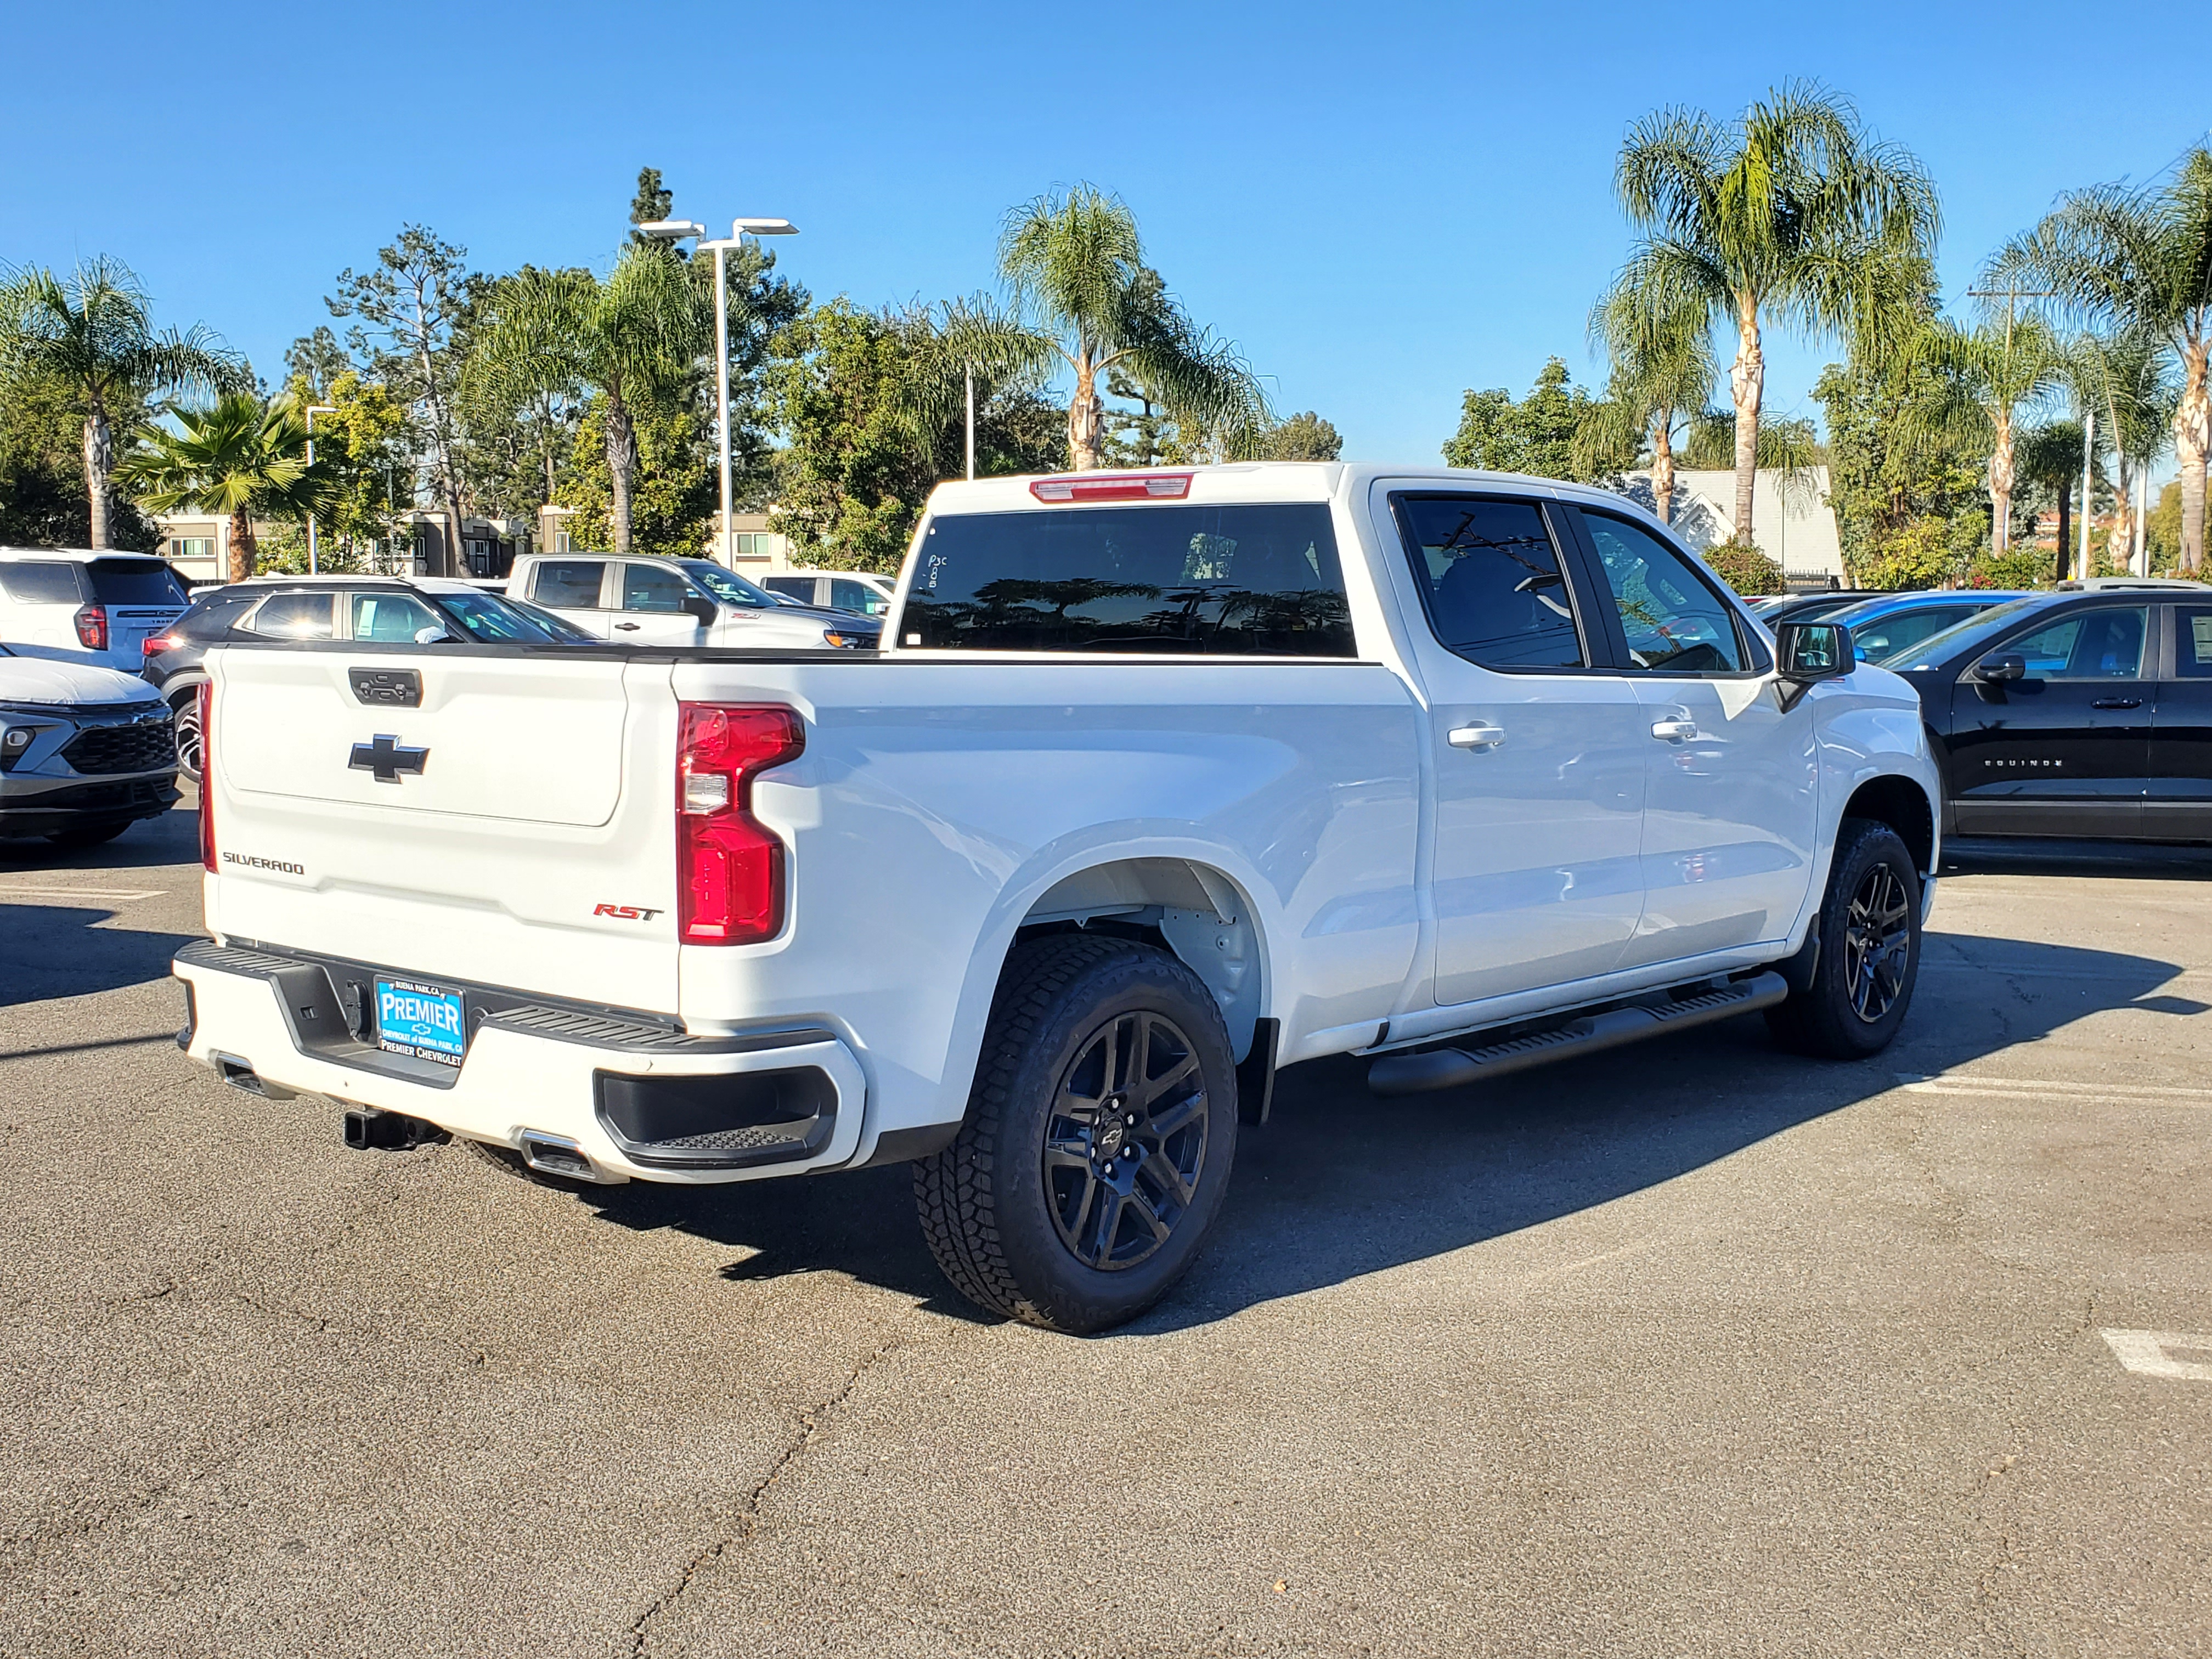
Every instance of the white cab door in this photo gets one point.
(1538, 755)
(573, 587)
(1730, 811)
(651, 610)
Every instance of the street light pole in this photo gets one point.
(970, 376)
(679, 230)
(314, 409)
(2088, 451)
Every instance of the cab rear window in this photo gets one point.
(1231, 581)
(135, 582)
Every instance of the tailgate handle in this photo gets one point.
(387, 688)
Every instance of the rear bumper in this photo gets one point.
(641, 1101)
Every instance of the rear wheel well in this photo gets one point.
(1192, 911)
(1900, 803)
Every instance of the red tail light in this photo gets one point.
(729, 868)
(206, 694)
(156, 644)
(1114, 486)
(92, 627)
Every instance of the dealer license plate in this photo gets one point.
(422, 1020)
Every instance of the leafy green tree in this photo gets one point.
(653, 202)
(862, 400)
(1662, 377)
(238, 458)
(2126, 380)
(2050, 460)
(1792, 213)
(1075, 264)
(1879, 480)
(1304, 437)
(634, 339)
(523, 382)
(674, 489)
(2141, 260)
(361, 447)
(408, 308)
(1538, 436)
(90, 336)
(313, 361)
(43, 502)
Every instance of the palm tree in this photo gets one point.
(1076, 263)
(634, 338)
(239, 458)
(2126, 380)
(1983, 376)
(964, 347)
(1663, 375)
(93, 332)
(2143, 260)
(2050, 455)
(1793, 213)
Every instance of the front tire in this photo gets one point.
(1869, 959)
(1099, 1136)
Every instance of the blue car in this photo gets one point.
(1897, 622)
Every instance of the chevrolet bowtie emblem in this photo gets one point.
(388, 757)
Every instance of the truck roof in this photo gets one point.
(1244, 481)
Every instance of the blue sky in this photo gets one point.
(1383, 203)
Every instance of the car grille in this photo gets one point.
(142, 746)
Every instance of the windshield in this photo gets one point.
(563, 631)
(1937, 647)
(725, 585)
(494, 622)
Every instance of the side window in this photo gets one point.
(1491, 580)
(2105, 644)
(210, 617)
(393, 617)
(567, 584)
(1675, 624)
(2193, 642)
(846, 595)
(1903, 629)
(294, 617)
(648, 587)
(41, 584)
(791, 587)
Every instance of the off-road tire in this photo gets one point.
(986, 1203)
(1828, 1017)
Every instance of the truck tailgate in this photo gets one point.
(500, 816)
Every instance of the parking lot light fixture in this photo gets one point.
(314, 409)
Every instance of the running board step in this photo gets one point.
(1447, 1068)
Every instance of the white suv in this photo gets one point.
(78, 605)
(639, 601)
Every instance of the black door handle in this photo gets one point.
(2118, 703)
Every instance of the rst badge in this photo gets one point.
(626, 912)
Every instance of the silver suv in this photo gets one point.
(85, 752)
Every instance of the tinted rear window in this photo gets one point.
(41, 584)
(567, 584)
(213, 615)
(1209, 581)
(135, 582)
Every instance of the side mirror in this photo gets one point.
(432, 636)
(704, 610)
(2004, 665)
(1810, 651)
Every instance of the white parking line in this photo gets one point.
(98, 896)
(2145, 1353)
(1966, 1083)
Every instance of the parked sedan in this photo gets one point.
(379, 608)
(85, 752)
(1897, 622)
(2081, 713)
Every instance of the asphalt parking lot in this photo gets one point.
(1690, 1349)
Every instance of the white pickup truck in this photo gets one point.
(1160, 781)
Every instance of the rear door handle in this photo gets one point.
(1479, 735)
(2118, 703)
(1674, 731)
(627, 628)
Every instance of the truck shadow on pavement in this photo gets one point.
(1342, 1183)
(59, 951)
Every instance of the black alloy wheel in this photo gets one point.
(1858, 978)
(1877, 944)
(1100, 1134)
(1126, 1140)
